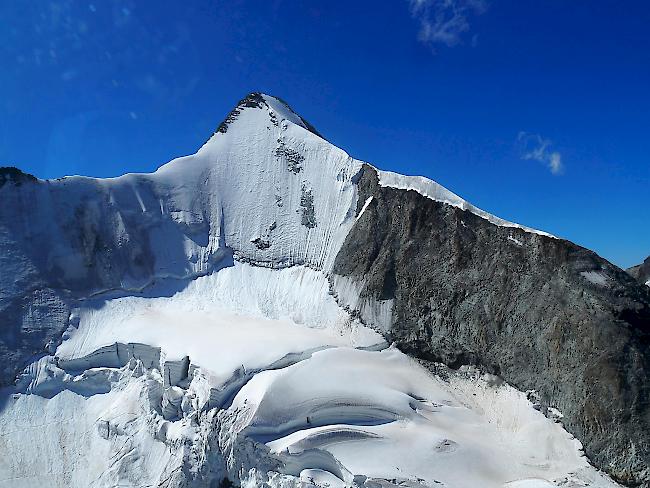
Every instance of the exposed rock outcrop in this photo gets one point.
(641, 271)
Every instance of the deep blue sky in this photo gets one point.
(482, 105)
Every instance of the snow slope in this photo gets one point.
(207, 342)
(290, 314)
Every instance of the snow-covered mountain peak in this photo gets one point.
(226, 317)
(260, 111)
(274, 109)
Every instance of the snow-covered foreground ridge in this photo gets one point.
(206, 339)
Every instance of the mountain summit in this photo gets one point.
(228, 317)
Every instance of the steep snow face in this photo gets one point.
(263, 187)
(279, 194)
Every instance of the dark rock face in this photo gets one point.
(543, 313)
(293, 159)
(642, 271)
(252, 100)
(30, 325)
(10, 174)
(308, 218)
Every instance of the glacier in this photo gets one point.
(184, 329)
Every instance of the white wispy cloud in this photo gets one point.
(444, 21)
(534, 147)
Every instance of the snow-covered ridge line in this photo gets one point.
(435, 191)
(281, 111)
